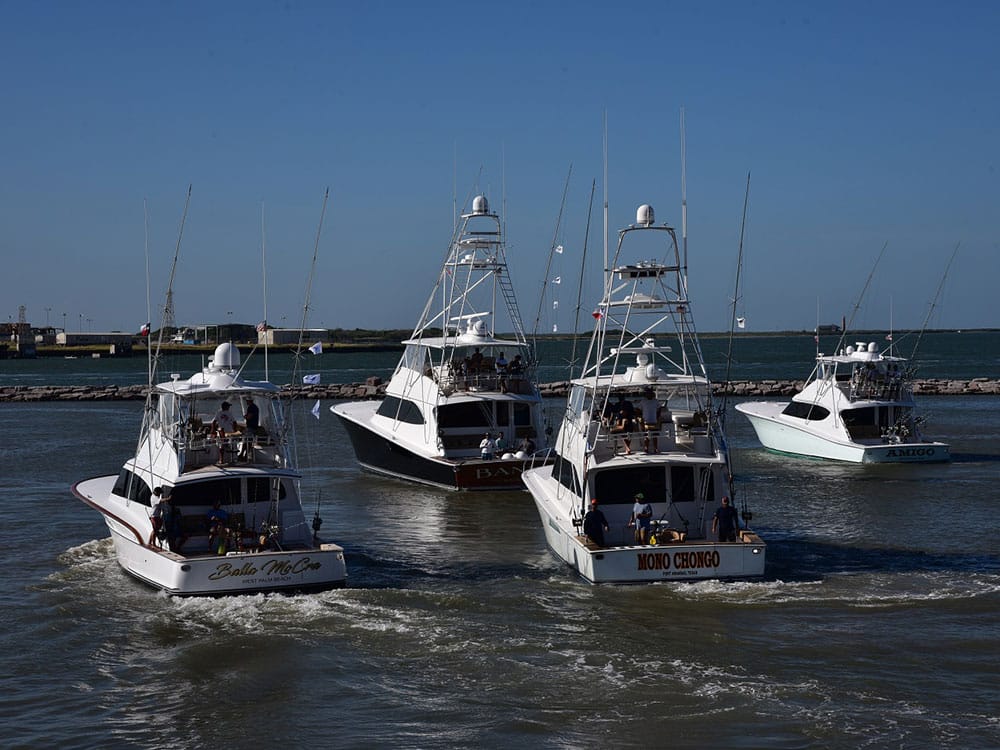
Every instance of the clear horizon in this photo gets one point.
(860, 125)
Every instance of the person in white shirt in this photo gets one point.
(487, 448)
(224, 423)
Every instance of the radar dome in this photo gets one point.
(226, 356)
(480, 205)
(644, 215)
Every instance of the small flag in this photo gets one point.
(559, 249)
(816, 339)
(262, 326)
(311, 379)
(317, 348)
(741, 322)
(555, 328)
(557, 280)
(888, 337)
(597, 314)
(315, 409)
(555, 304)
(144, 331)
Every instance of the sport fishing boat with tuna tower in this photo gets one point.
(462, 409)
(640, 431)
(234, 522)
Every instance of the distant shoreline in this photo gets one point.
(390, 341)
(374, 388)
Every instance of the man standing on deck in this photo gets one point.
(595, 524)
(642, 518)
(725, 522)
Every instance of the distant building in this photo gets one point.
(828, 329)
(289, 336)
(80, 338)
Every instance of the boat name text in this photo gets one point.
(909, 452)
(269, 568)
(681, 560)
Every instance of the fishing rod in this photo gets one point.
(154, 360)
(296, 365)
(861, 297)
(937, 294)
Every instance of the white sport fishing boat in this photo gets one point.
(266, 542)
(462, 410)
(672, 453)
(856, 406)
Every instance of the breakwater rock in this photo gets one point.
(374, 388)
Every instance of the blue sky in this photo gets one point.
(861, 123)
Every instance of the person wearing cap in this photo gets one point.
(595, 524)
(224, 423)
(641, 519)
(726, 521)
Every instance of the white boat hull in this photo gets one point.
(192, 574)
(778, 434)
(676, 561)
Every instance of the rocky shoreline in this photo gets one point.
(374, 388)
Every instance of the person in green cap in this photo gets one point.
(642, 516)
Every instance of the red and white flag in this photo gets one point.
(144, 331)
(597, 314)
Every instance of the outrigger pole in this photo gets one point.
(861, 297)
(937, 294)
(548, 265)
(579, 291)
(736, 298)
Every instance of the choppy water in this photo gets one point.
(876, 625)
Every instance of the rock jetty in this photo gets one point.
(374, 388)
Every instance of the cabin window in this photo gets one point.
(226, 491)
(801, 410)
(565, 474)
(858, 417)
(522, 414)
(394, 407)
(258, 490)
(466, 415)
(503, 414)
(682, 489)
(121, 486)
(619, 486)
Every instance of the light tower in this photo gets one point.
(168, 313)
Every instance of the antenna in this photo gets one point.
(605, 196)
(263, 270)
(684, 205)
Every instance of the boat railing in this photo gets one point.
(683, 434)
(452, 378)
(196, 449)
